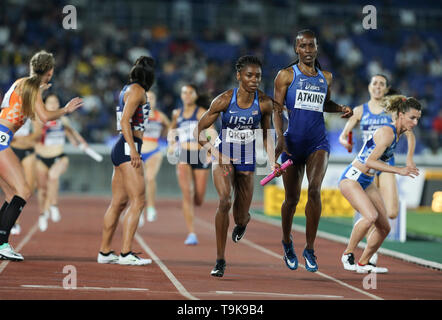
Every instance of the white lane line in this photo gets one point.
(20, 246)
(281, 295)
(278, 256)
(344, 240)
(31, 286)
(163, 267)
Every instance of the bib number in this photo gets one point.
(4, 139)
(353, 173)
(119, 116)
(127, 148)
(240, 136)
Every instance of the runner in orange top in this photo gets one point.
(23, 100)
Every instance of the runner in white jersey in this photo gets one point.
(52, 162)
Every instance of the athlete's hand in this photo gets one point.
(347, 112)
(277, 168)
(280, 148)
(135, 159)
(409, 171)
(73, 105)
(345, 144)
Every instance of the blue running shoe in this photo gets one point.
(289, 256)
(191, 240)
(310, 260)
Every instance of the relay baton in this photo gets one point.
(350, 141)
(91, 153)
(270, 176)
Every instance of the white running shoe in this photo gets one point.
(141, 221)
(151, 214)
(16, 229)
(7, 253)
(374, 259)
(133, 260)
(348, 261)
(111, 258)
(43, 223)
(370, 268)
(55, 213)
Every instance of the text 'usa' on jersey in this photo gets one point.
(305, 100)
(238, 124)
(140, 117)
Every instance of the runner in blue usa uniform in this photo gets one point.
(242, 111)
(128, 178)
(305, 91)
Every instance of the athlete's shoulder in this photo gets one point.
(328, 76)
(285, 75)
(264, 100)
(222, 101)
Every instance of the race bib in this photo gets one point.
(119, 115)
(307, 100)
(4, 139)
(127, 148)
(185, 132)
(55, 139)
(353, 173)
(240, 136)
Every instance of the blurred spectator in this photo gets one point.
(94, 62)
(437, 133)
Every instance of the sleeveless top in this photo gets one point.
(186, 126)
(139, 119)
(12, 108)
(237, 134)
(152, 131)
(305, 100)
(369, 146)
(53, 133)
(370, 122)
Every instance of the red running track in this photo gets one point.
(255, 269)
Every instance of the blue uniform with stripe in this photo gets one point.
(121, 152)
(370, 122)
(237, 136)
(186, 127)
(354, 173)
(306, 131)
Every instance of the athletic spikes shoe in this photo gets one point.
(43, 222)
(310, 260)
(191, 240)
(141, 220)
(218, 270)
(131, 259)
(374, 259)
(55, 213)
(368, 268)
(290, 258)
(348, 261)
(109, 257)
(151, 214)
(16, 229)
(238, 232)
(7, 253)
